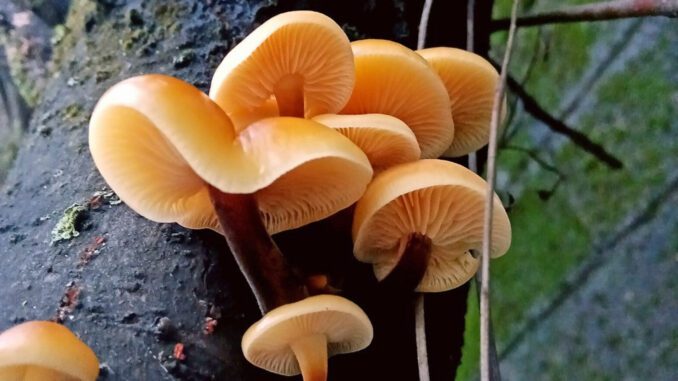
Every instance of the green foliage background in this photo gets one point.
(621, 78)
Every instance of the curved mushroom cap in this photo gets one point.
(326, 174)
(471, 82)
(441, 200)
(385, 139)
(394, 80)
(157, 140)
(43, 350)
(267, 343)
(300, 48)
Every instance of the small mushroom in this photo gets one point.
(299, 337)
(418, 222)
(300, 61)
(43, 350)
(470, 82)
(385, 139)
(394, 80)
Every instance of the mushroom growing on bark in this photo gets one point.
(470, 81)
(44, 350)
(394, 80)
(172, 155)
(295, 64)
(418, 222)
(299, 337)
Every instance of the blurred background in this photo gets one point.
(588, 290)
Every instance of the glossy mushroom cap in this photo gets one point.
(471, 82)
(299, 56)
(437, 199)
(299, 337)
(394, 80)
(157, 141)
(43, 350)
(385, 139)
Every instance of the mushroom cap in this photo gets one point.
(157, 140)
(386, 140)
(394, 80)
(326, 174)
(266, 343)
(441, 200)
(471, 82)
(49, 346)
(305, 44)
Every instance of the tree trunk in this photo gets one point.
(132, 289)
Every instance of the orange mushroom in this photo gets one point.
(418, 222)
(43, 350)
(172, 155)
(299, 337)
(299, 61)
(470, 82)
(394, 80)
(385, 139)
(158, 158)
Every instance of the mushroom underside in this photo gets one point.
(450, 215)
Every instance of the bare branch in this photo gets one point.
(470, 46)
(419, 317)
(473, 165)
(609, 10)
(420, 337)
(470, 28)
(537, 111)
(423, 24)
(532, 154)
(485, 357)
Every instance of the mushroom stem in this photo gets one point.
(289, 93)
(270, 277)
(412, 265)
(311, 353)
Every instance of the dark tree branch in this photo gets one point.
(609, 10)
(532, 154)
(537, 111)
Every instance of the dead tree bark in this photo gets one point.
(132, 289)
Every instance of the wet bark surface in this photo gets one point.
(132, 289)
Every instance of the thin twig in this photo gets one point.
(423, 24)
(581, 140)
(470, 26)
(420, 337)
(419, 313)
(470, 46)
(609, 10)
(485, 364)
(473, 165)
(532, 154)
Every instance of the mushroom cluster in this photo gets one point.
(297, 122)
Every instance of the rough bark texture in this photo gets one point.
(132, 288)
